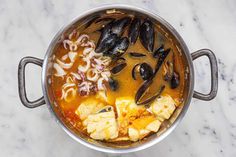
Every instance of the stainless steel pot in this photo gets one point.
(48, 99)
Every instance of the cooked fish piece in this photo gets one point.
(154, 126)
(102, 126)
(142, 127)
(163, 107)
(127, 111)
(87, 107)
(133, 134)
(125, 105)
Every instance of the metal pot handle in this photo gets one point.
(21, 82)
(214, 74)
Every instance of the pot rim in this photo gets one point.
(174, 124)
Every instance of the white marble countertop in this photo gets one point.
(26, 29)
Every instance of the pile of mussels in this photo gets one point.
(111, 43)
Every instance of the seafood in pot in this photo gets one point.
(114, 80)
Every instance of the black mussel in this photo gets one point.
(118, 26)
(92, 20)
(170, 75)
(105, 19)
(134, 30)
(105, 33)
(106, 109)
(158, 51)
(113, 84)
(108, 34)
(152, 98)
(136, 54)
(145, 71)
(120, 47)
(107, 44)
(118, 68)
(174, 82)
(161, 58)
(134, 70)
(147, 35)
(146, 84)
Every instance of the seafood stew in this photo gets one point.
(118, 77)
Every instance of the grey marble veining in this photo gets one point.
(26, 29)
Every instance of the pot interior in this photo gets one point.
(165, 129)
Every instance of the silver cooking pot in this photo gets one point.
(169, 126)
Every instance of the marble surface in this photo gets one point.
(26, 29)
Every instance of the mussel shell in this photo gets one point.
(134, 30)
(169, 70)
(158, 51)
(111, 31)
(161, 58)
(113, 84)
(174, 82)
(118, 68)
(133, 71)
(145, 71)
(147, 35)
(120, 47)
(105, 33)
(136, 54)
(118, 26)
(152, 98)
(146, 84)
(107, 43)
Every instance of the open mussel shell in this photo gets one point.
(142, 89)
(107, 44)
(147, 35)
(152, 98)
(161, 58)
(145, 71)
(158, 51)
(133, 32)
(110, 42)
(118, 26)
(134, 71)
(168, 70)
(105, 33)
